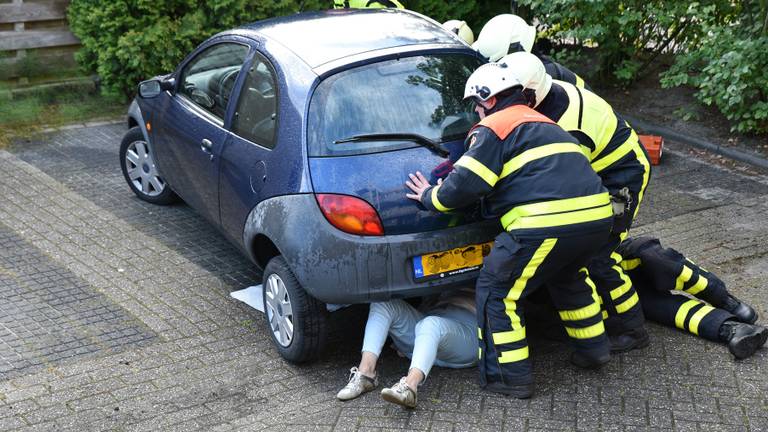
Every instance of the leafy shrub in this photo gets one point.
(630, 34)
(475, 12)
(125, 41)
(730, 69)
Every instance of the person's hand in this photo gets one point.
(418, 184)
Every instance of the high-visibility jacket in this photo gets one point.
(611, 145)
(369, 4)
(529, 172)
(561, 73)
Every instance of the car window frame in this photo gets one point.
(254, 55)
(197, 109)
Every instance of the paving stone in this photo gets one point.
(114, 339)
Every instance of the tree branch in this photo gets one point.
(658, 52)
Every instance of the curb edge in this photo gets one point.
(738, 155)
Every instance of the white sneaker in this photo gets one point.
(357, 385)
(400, 394)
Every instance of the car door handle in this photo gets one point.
(206, 145)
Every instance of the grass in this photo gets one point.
(24, 116)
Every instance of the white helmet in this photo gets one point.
(501, 35)
(489, 80)
(530, 71)
(460, 29)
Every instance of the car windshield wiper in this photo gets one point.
(418, 139)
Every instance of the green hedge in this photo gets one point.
(126, 41)
(730, 68)
(630, 34)
(720, 47)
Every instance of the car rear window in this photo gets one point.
(416, 95)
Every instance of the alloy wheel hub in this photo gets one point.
(141, 169)
(279, 310)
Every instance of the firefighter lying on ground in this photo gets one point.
(555, 212)
(660, 275)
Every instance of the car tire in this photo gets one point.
(140, 172)
(296, 322)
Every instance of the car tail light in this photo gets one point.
(350, 214)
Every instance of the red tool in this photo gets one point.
(654, 145)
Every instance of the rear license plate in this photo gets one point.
(451, 262)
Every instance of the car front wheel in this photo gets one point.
(296, 321)
(139, 170)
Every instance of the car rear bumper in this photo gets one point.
(336, 267)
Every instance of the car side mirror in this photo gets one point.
(153, 87)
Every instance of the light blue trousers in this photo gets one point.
(446, 336)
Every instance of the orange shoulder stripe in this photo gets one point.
(503, 122)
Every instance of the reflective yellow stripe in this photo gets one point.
(509, 336)
(510, 302)
(556, 206)
(478, 169)
(631, 264)
(624, 288)
(693, 326)
(436, 202)
(559, 219)
(582, 313)
(480, 333)
(643, 159)
(570, 118)
(523, 158)
(699, 286)
(479, 353)
(579, 81)
(624, 149)
(586, 332)
(598, 121)
(628, 304)
(684, 277)
(514, 355)
(598, 300)
(616, 257)
(683, 312)
(597, 297)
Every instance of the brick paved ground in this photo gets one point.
(115, 315)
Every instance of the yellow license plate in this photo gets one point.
(450, 262)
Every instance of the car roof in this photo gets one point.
(322, 37)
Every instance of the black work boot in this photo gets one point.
(629, 340)
(743, 312)
(589, 362)
(520, 391)
(742, 339)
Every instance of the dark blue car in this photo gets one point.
(295, 136)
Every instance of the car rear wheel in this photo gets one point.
(296, 321)
(139, 170)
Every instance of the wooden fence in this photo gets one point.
(34, 36)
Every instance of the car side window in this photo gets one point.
(208, 79)
(256, 115)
